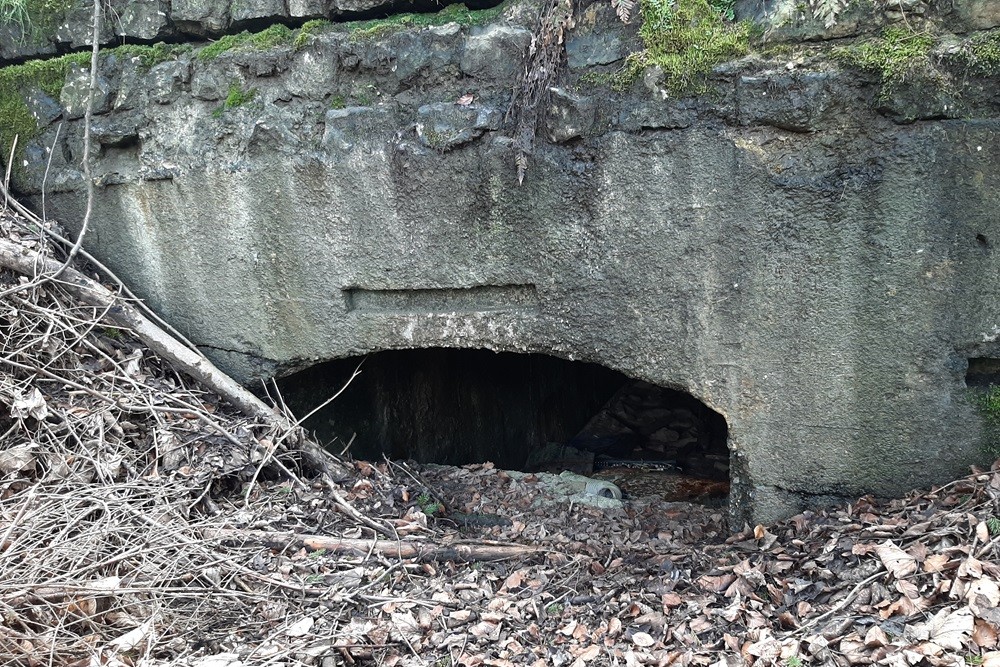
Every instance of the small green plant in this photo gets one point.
(993, 525)
(338, 102)
(366, 97)
(308, 30)
(15, 13)
(685, 39)
(237, 97)
(554, 609)
(725, 8)
(981, 54)
(33, 20)
(428, 505)
(897, 56)
(973, 660)
(793, 661)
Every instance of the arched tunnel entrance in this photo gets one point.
(529, 412)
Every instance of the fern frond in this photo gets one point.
(522, 167)
(827, 10)
(624, 8)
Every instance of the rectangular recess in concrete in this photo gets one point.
(480, 299)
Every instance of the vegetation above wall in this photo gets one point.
(33, 20)
(685, 39)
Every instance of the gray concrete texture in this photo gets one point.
(785, 250)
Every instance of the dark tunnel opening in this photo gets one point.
(529, 412)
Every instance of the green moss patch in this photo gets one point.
(237, 97)
(49, 76)
(457, 13)
(896, 57)
(276, 35)
(150, 55)
(308, 30)
(685, 39)
(16, 83)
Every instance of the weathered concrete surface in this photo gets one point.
(784, 251)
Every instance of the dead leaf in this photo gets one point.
(465, 100)
(568, 629)
(33, 405)
(897, 561)
(301, 627)
(17, 458)
(951, 629)
(670, 600)
(132, 638)
(935, 562)
(643, 639)
(984, 634)
(875, 637)
(982, 532)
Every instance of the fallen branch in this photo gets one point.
(423, 551)
(27, 262)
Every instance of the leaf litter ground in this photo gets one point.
(145, 522)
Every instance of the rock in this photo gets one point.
(308, 9)
(270, 11)
(569, 116)
(596, 39)
(495, 52)
(797, 102)
(443, 126)
(76, 92)
(656, 115)
(43, 108)
(978, 14)
(200, 17)
(347, 127)
(145, 20)
(210, 85)
(664, 436)
(117, 129)
(165, 80)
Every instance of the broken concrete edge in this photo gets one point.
(49, 27)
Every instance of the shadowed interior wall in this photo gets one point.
(451, 406)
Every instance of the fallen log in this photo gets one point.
(405, 549)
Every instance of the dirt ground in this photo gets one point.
(146, 521)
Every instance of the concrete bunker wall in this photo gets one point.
(807, 267)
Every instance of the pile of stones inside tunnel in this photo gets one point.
(528, 412)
